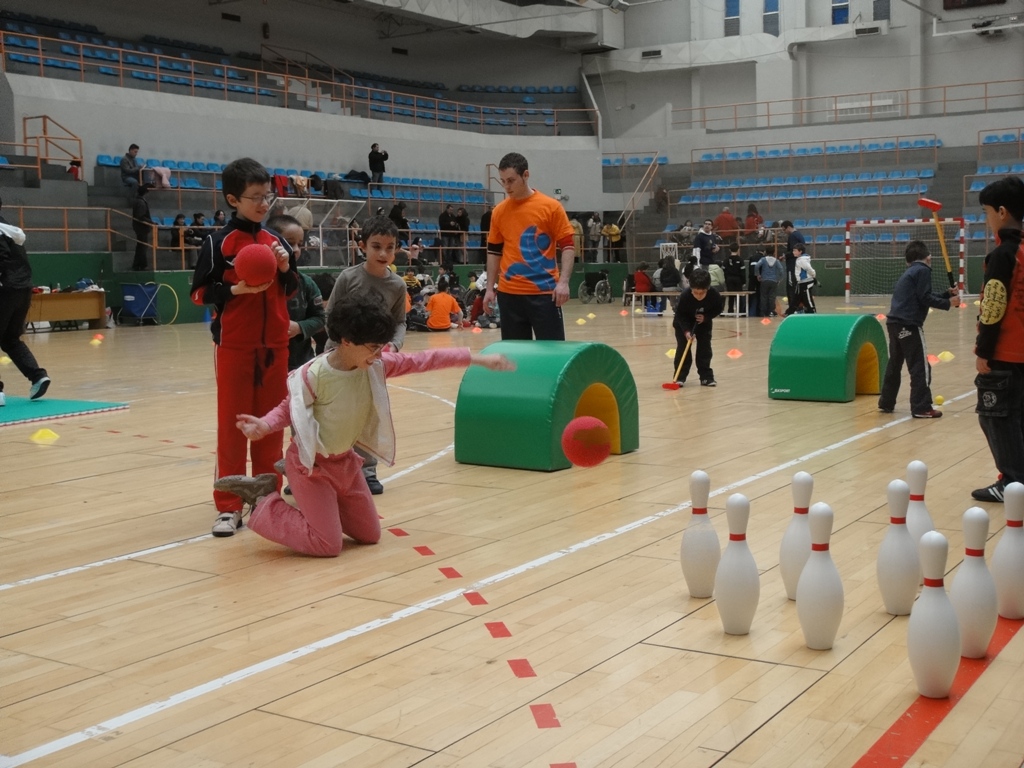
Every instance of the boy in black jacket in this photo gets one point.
(698, 305)
(911, 299)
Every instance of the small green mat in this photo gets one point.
(21, 410)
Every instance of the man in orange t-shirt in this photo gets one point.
(527, 230)
(440, 308)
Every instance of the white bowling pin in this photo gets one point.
(1008, 556)
(700, 550)
(918, 520)
(737, 581)
(933, 633)
(796, 541)
(819, 593)
(973, 592)
(897, 568)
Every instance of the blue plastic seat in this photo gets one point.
(799, 223)
(895, 175)
(837, 239)
(976, 186)
(821, 239)
(904, 189)
(888, 189)
(864, 176)
(830, 222)
(869, 237)
(902, 237)
(812, 223)
(886, 237)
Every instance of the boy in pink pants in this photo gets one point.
(336, 401)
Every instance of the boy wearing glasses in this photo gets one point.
(249, 327)
(337, 401)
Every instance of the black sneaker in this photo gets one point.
(932, 414)
(38, 388)
(708, 383)
(375, 486)
(885, 410)
(993, 493)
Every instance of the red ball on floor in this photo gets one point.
(586, 441)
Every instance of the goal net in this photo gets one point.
(875, 253)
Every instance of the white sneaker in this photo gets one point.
(38, 389)
(227, 523)
(3, 399)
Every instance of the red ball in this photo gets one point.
(586, 441)
(256, 264)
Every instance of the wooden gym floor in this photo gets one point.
(507, 618)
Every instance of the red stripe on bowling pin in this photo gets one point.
(737, 537)
(933, 582)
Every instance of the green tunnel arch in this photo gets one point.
(827, 357)
(516, 419)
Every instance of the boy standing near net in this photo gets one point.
(250, 330)
(911, 299)
(805, 275)
(1000, 344)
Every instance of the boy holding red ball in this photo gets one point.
(249, 327)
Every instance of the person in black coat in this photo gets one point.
(15, 298)
(698, 306)
(377, 158)
(142, 224)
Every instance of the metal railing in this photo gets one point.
(74, 60)
(931, 101)
(54, 142)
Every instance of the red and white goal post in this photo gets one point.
(875, 251)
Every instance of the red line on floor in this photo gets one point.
(897, 745)
(424, 550)
(498, 629)
(398, 531)
(474, 598)
(521, 668)
(544, 715)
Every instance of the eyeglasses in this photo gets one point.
(268, 198)
(375, 349)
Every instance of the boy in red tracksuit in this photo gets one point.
(250, 330)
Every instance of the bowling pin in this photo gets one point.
(1008, 556)
(700, 550)
(897, 568)
(796, 541)
(819, 593)
(737, 581)
(973, 592)
(918, 520)
(933, 633)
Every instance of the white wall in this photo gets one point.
(108, 119)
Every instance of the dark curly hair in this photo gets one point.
(360, 320)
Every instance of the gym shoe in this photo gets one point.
(38, 388)
(708, 383)
(375, 486)
(227, 523)
(885, 410)
(932, 414)
(993, 492)
(3, 399)
(248, 489)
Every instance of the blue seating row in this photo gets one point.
(1000, 170)
(1001, 138)
(809, 179)
(542, 90)
(424, 195)
(827, 149)
(828, 193)
(614, 162)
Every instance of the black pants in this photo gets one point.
(790, 278)
(703, 353)
(1001, 416)
(906, 343)
(768, 290)
(13, 310)
(804, 298)
(142, 261)
(529, 316)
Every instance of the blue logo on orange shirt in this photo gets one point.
(535, 266)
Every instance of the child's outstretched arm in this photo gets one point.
(492, 362)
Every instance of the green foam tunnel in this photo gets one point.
(830, 358)
(516, 419)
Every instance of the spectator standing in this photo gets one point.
(726, 225)
(15, 298)
(462, 218)
(449, 227)
(705, 244)
(527, 229)
(793, 237)
(142, 225)
(594, 236)
(770, 272)
(306, 315)
(397, 215)
(613, 235)
(377, 158)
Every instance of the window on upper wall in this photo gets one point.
(771, 17)
(881, 10)
(732, 18)
(840, 11)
